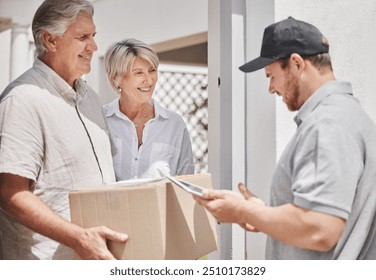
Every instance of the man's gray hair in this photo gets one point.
(55, 16)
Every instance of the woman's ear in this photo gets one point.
(50, 41)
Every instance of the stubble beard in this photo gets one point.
(293, 88)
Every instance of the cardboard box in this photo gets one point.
(162, 220)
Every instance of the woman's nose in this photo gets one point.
(148, 79)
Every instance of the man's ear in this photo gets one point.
(50, 41)
(297, 61)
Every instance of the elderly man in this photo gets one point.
(53, 140)
(323, 195)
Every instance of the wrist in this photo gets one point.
(76, 237)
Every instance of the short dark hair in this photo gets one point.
(319, 61)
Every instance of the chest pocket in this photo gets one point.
(164, 156)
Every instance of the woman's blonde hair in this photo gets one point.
(120, 56)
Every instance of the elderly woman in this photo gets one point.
(149, 140)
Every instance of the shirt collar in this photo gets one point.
(325, 90)
(62, 87)
(160, 110)
(114, 109)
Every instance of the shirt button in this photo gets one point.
(135, 159)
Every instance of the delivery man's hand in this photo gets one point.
(248, 195)
(228, 206)
(224, 205)
(92, 243)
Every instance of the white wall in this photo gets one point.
(20, 11)
(4, 59)
(19, 8)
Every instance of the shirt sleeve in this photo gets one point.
(185, 162)
(21, 140)
(327, 167)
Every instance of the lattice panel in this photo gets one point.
(185, 92)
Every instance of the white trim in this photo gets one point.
(238, 121)
(182, 69)
(214, 112)
(181, 42)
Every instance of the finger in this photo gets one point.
(249, 227)
(200, 200)
(244, 226)
(115, 235)
(206, 194)
(244, 191)
(209, 194)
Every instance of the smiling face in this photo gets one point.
(70, 54)
(138, 84)
(284, 83)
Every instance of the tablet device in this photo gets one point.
(191, 188)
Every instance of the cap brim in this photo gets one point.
(257, 64)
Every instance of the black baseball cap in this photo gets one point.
(285, 37)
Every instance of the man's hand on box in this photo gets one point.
(92, 243)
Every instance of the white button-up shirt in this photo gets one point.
(166, 146)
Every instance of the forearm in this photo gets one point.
(296, 226)
(37, 216)
(19, 202)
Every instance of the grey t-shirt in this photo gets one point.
(56, 137)
(329, 166)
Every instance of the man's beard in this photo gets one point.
(292, 87)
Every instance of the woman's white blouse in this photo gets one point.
(165, 149)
